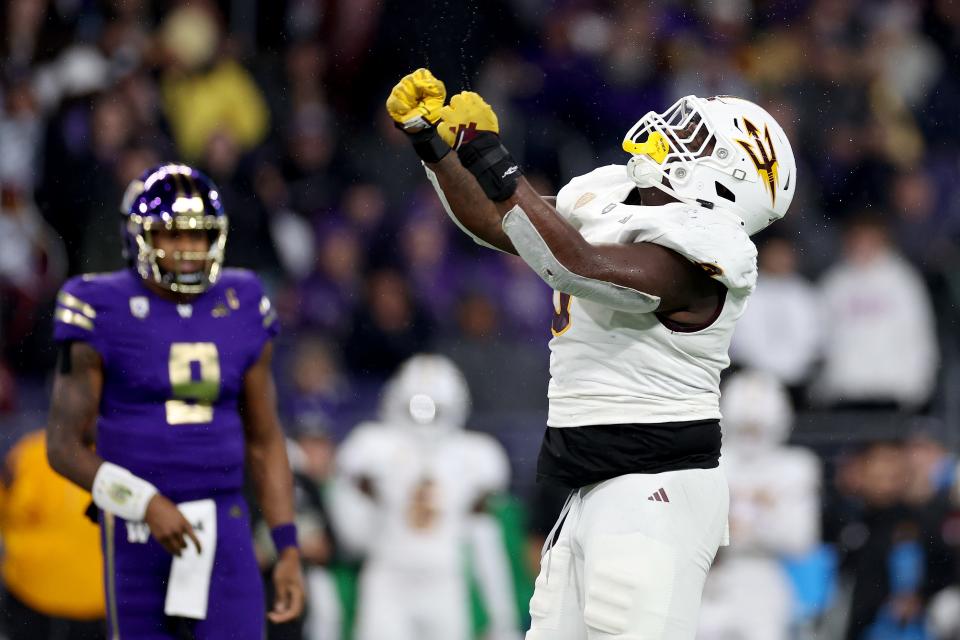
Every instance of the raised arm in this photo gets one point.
(468, 205)
(273, 482)
(636, 278)
(644, 267)
(678, 284)
(499, 208)
(415, 105)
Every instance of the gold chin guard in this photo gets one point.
(656, 146)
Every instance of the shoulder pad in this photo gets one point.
(489, 464)
(242, 285)
(801, 465)
(606, 182)
(234, 277)
(364, 448)
(86, 303)
(75, 306)
(79, 302)
(713, 238)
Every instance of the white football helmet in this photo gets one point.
(428, 392)
(722, 151)
(757, 412)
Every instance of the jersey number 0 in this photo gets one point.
(195, 382)
(561, 313)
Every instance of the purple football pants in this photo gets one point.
(136, 569)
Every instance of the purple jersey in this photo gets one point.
(173, 374)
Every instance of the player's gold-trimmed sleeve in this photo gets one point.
(76, 304)
(74, 318)
(79, 313)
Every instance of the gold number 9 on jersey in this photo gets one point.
(193, 395)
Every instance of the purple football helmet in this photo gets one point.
(173, 196)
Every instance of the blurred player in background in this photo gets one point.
(165, 366)
(651, 264)
(774, 513)
(413, 490)
(52, 567)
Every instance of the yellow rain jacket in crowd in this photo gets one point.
(224, 99)
(51, 551)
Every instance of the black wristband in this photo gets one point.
(492, 165)
(428, 145)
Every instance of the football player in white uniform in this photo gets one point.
(774, 513)
(651, 264)
(411, 493)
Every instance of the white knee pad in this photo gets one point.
(554, 612)
(630, 580)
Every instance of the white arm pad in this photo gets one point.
(534, 250)
(117, 491)
(432, 177)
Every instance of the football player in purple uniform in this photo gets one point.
(165, 367)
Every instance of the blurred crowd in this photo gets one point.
(856, 310)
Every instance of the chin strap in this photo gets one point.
(644, 174)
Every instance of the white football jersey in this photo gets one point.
(774, 512)
(425, 490)
(774, 500)
(612, 367)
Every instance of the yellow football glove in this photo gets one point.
(469, 125)
(466, 116)
(415, 101)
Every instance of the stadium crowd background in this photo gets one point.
(281, 104)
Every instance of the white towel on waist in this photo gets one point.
(189, 586)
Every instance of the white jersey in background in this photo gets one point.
(426, 488)
(774, 514)
(409, 499)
